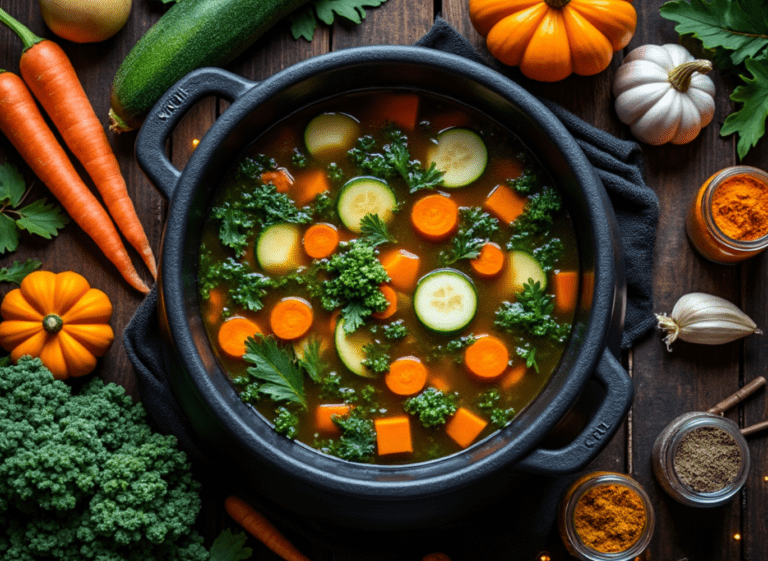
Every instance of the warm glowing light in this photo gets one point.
(765, 478)
(736, 537)
(544, 557)
(195, 142)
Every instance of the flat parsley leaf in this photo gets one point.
(374, 231)
(312, 361)
(749, 121)
(230, 547)
(304, 23)
(277, 368)
(16, 271)
(42, 219)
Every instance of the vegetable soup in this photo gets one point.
(388, 276)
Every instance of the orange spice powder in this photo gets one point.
(740, 208)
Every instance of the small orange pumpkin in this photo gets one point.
(58, 318)
(550, 39)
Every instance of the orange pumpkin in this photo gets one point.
(550, 39)
(58, 318)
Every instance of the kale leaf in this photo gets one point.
(247, 287)
(532, 313)
(357, 441)
(432, 407)
(376, 357)
(477, 227)
(489, 401)
(276, 369)
(396, 330)
(286, 422)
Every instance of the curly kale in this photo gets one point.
(286, 422)
(532, 313)
(83, 477)
(247, 287)
(376, 357)
(476, 229)
(357, 442)
(432, 407)
(489, 401)
(357, 274)
(396, 330)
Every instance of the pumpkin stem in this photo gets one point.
(680, 76)
(52, 323)
(557, 3)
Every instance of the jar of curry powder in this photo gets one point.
(727, 221)
(606, 516)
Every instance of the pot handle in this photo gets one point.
(168, 111)
(601, 427)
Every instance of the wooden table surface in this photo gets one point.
(667, 384)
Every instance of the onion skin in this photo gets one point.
(85, 21)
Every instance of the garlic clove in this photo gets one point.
(705, 319)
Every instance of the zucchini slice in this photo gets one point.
(351, 349)
(445, 300)
(460, 154)
(524, 268)
(278, 249)
(365, 195)
(331, 134)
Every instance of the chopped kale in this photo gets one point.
(532, 313)
(247, 287)
(501, 417)
(475, 230)
(549, 253)
(539, 212)
(330, 386)
(396, 330)
(311, 360)
(357, 442)
(489, 401)
(252, 168)
(374, 231)
(286, 423)
(298, 159)
(489, 398)
(527, 182)
(451, 347)
(528, 353)
(335, 173)
(432, 407)
(377, 358)
(368, 161)
(324, 206)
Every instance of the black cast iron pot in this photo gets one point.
(292, 474)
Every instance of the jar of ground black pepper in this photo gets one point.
(727, 221)
(701, 459)
(606, 516)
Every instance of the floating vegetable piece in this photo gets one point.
(58, 318)
(705, 319)
(663, 94)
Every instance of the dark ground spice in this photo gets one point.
(707, 459)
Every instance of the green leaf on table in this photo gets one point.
(230, 547)
(9, 234)
(42, 219)
(278, 369)
(304, 22)
(739, 26)
(12, 185)
(16, 271)
(749, 121)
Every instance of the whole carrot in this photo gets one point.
(24, 125)
(50, 75)
(262, 529)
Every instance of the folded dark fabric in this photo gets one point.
(517, 526)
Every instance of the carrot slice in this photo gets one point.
(513, 376)
(280, 178)
(233, 333)
(402, 267)
(309, 185)
(487, 357)
(490, 262)
(391, 296)
(435, 217)
(504, 204)
(393, 435)
(324, 416)
(400, 109)
(406, 376)
(464, 427)
(565, 285)
(215, 305)
(321, 240)
(291, 318)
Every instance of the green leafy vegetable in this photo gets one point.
(16, 271)
(37, 218)
(230, 547)
(396, 330)
(528, 354)
(452, 346)
(298, 159)
(311, 360)
(357, 442)
(532, 313)
(277, 369)
(286, 423)
(304, 22)
(527, 182)
(377, 357)
(374, 231)
(489, 401)
(432, 407)
(475, 230)
(548, 254)
(737, 33)
(247, 287)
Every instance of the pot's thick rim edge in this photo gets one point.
(173, 281)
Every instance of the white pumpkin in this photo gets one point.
(664, 94)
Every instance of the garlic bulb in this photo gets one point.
(705, 319)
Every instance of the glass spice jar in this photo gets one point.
(702, 227)
(721, 479)
(628, 492)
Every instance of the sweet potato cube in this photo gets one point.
(393, 435)
(309, 185)
(565, 286)
(464, 427)
(504, 204)
(323, 416)
(400, 109)
(403, 268)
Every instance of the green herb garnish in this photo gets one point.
(276, 369)
(532, 313)
(432, 407)
(475, 230)
(374, 231)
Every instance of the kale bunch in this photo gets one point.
(432, 407)
(84, 477)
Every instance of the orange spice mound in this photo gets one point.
(740, 208)
(609, 518)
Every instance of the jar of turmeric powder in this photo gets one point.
(606, 516)
(728, 218)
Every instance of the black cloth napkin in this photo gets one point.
(522, 523)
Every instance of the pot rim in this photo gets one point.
(419, 479)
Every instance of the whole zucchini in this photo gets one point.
(190, 35)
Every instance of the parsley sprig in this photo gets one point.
(532, 314)
(475, 230)
(374, 231)
(304, 22)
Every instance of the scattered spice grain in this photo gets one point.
(707, 459)
(609, 518)
(740, 207)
